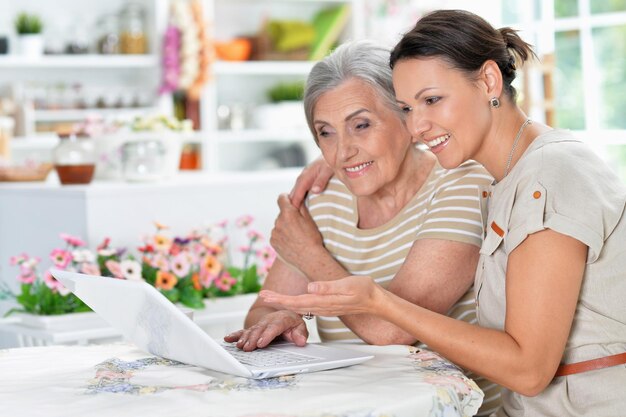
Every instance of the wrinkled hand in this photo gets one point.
(314, 177)
(294, 234)
(350, 295)
(283, 323)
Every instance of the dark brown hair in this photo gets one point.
(465, 41)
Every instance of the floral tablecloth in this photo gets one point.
(120, 380)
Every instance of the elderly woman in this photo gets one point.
(390, 212)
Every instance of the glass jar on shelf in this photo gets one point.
(143, 160)
(74, 159)
(108, 38)
(132, 30)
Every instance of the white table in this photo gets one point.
(119, 380)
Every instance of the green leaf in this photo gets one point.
(191, 297)
(234, 271)
(173, 295)
(250, 282)
(149, 273)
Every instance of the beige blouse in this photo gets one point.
(560, 184)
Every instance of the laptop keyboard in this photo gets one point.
(267, 357)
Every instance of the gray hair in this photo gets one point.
(363, 60)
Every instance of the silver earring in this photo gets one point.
(495, 102)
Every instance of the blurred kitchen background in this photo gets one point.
(123, 72)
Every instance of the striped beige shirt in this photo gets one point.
(450, 205)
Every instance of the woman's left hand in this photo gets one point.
(350, 295)
(295, 233)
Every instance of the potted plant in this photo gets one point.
(194, 270)
(28, 27)
(285, 108)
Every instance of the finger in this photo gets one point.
(324, 287)
(304, 212)
(301, 304)
(322, 178)
(302, 186)
(298, 335)
(233, 337)
(271, 332)
(284, 203)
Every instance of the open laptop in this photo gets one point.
(148, 319)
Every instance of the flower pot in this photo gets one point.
(219, 317)
(30, 45)
(61, 322)
(281, 115)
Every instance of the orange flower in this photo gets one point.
(212, 265)
(161, 226)
(213, 247)
(195, 279)
(165, 280)
(162, 243)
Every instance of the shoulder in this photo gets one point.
(470, 174)
(559, 161)
(336, 193)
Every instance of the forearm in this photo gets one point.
(491, 353)
(370, 328)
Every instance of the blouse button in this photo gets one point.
(536, 195)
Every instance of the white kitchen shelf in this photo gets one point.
(80, 114)
(263, 67)
(262, 135)
(80, 61)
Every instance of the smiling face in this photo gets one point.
(445, 109)
(364, 140)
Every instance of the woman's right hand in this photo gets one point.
(283, 323)
(350, 295)
(314, 177)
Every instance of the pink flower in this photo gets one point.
(161, 262)
(222, 224)
(206, 279)
(61, 258)
(16, 260)
(225, 282)
(27, 276)
(267, 254)
(51, 281)
(83, 255)
(115, 268)
(72, 240)
(244, 248)
(244, 221)
(104, 244)
(89, 269)
(181, 265)
(254, 235)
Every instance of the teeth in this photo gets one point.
(359, 167)
(437, 141)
